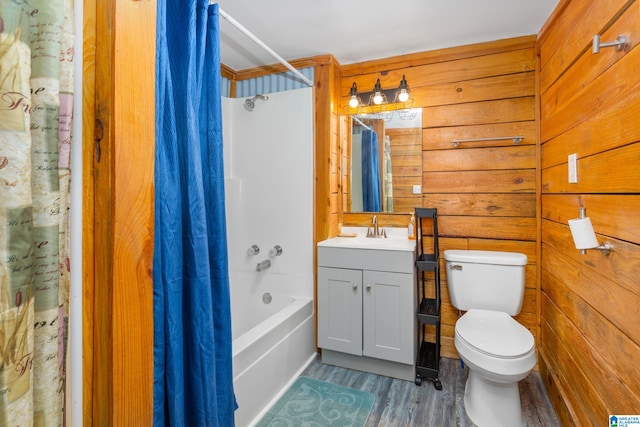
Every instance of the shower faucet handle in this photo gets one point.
(253, 250)
(275, 251)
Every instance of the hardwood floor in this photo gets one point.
(402, 403)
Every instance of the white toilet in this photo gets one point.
(499, 351)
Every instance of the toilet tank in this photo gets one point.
(488, 280)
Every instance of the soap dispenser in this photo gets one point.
(411, 228)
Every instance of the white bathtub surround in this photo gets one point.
(269, 201)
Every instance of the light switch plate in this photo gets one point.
(573, 168)
(417, 189)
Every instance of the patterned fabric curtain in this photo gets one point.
(36, 82)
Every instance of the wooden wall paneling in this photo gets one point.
(122, 352)
(460, 70)
(403, 184)
(557, 390)
(611, 87)
(483, 204)
(323, 151)
(538, 274)
(477, 113)
(585, 400)
(614, 171)
(620, 269)
(441, 137)
(364, 219)
(345, 170)
(581, 330)
(483, 89)
(609, 128)
(592, 287)
(406, 165)
(521, 246)
(133, 196)
(508, 181)
(611, 214)
(589, 302)
(100, 329)
(438, 56)
(89, 237)
(561, 45)
(406, 205)
(489, 158)
(588, 67)
(488, 227)
(264, 70)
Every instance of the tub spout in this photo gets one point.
(263, 265)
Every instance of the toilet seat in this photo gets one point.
(495, 334)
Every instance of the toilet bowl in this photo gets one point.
(497, 349)
(499, 352)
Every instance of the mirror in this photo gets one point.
(385, 162)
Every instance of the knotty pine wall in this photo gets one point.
(590, 304)
(117, 286)
(406, 165)
(485, 192)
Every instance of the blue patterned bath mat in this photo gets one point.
(313, 403)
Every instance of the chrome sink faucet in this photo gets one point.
(376, 229)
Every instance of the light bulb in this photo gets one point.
(403, 95)
(378, 95)
(353, 102)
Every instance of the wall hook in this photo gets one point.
(620, 43)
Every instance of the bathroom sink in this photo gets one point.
(396, 241)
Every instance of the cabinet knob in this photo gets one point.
(368, 287)
(354, 286)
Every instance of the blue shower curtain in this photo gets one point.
(193, 379)
(371, 197)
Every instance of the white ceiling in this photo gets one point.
(360, 30)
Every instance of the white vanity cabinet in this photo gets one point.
(366, 307)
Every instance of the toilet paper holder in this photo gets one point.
(583, 235)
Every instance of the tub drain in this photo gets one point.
(266, 298)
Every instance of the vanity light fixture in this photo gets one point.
(379, 99)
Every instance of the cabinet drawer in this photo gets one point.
(366, 259)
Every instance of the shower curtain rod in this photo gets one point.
(260, 43)
(360, 122)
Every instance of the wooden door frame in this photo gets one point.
(118, 112)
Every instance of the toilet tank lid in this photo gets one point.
(485, 257)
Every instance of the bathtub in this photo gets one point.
(273, 340)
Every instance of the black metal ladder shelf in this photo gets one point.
(428, 287)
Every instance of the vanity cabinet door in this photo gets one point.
(340, 310)
(388, 316)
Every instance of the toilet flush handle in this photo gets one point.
(455, 267)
